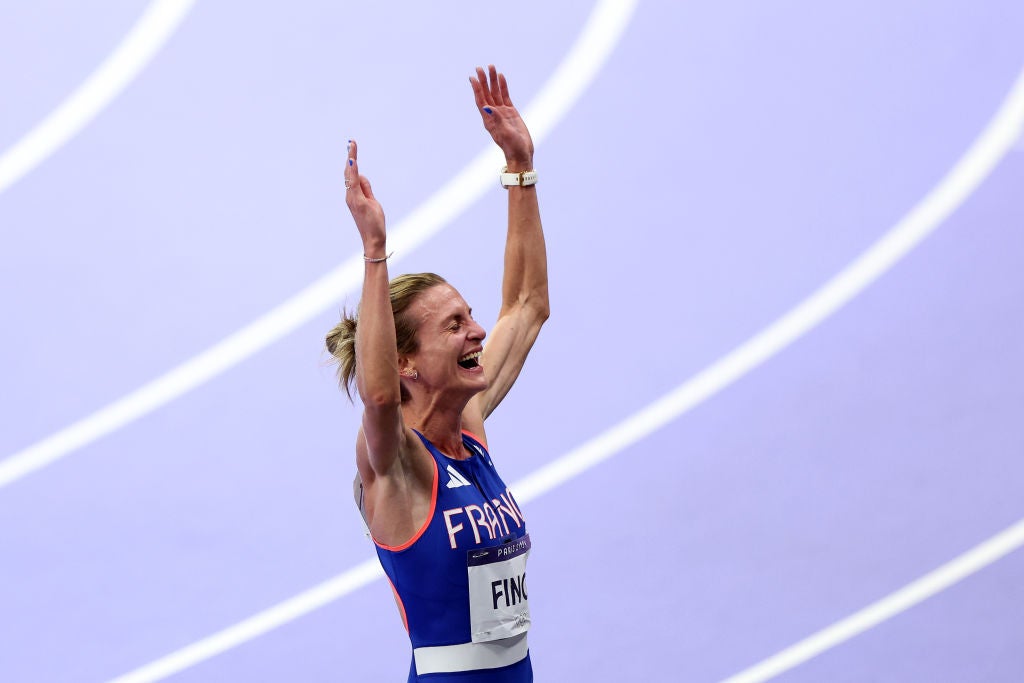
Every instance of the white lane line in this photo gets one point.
(256, 625)
(158, 22)
(966, 175)
(917, 591)
(599, 35)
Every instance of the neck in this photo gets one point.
(442, 427)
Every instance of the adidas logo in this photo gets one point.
(457, 479)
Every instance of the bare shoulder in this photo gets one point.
(395, 503)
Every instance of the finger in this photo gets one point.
(483, 95)
(352, 178)
(364, 185)
(481, 77)
(351, 175)
(351, 167)
(503, 88)
(495, 91)
(478, 93)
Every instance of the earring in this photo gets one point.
(414, 376)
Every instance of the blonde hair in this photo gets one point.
(341, 340)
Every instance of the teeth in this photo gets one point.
(469, 356)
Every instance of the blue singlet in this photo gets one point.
(471, 510)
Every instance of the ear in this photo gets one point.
(406, 368)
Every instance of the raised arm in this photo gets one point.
(524, 290)
(382, 435)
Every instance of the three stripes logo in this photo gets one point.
(457, 479)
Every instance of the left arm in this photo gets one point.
(524, 288)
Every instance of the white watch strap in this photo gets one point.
(521, 179)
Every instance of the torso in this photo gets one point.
(469, 510)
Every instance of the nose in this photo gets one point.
(477, 332)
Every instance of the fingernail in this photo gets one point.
(349, 162)
(488, 110)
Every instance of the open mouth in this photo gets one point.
(470, 361)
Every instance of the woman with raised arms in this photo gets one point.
(448, 531)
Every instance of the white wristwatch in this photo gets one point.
(521, 179)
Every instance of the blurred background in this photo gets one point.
(740, 469)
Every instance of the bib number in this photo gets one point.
(498, 603)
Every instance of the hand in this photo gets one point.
(366, 210)
(502, 120)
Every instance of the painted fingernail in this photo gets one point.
(488, 110)
(349, 162)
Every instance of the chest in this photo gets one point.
(474, 505)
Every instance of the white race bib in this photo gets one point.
(498, 604)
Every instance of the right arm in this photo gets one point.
(382, 437)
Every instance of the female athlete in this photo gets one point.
(448, 531)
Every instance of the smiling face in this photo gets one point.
(449, 343)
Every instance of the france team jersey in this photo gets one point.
(461, 580)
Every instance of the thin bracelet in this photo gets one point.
(376, 260)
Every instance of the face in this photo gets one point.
(450, 342)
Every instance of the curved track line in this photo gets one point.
(968, 173)
(257, 625)
(933, 582)
(601, 32)
(974, 166)
(158, 22)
